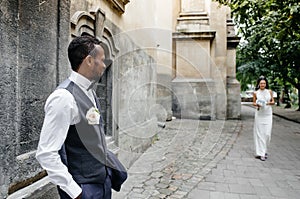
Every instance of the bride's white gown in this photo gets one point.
(262, 124)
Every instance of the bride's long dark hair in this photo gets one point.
(258, 81)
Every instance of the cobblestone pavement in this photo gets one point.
(194, 160)
(185, 153)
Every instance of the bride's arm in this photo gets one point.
(254, 99)
(271, 102)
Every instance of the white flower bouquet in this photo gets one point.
(261, 103)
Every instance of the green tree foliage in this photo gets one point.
(271, 30)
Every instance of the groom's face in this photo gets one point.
(98, 65)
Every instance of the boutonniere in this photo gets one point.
(93, 116)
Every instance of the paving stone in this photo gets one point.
(230, 180)
(172, 188)
(161, 185)
(186, 187)
(214, 179)
(180, 193)
(256, 182)
(207, 186)
(231, 196)
(162, 196)
(243, 181)
(218, 172)
(216, 195)
(278, 192)
(261, 191)
(293, 194)
(283, 184)
(294, 184)
(136, 195)
(175, 197)
(157, 174)
(196, 194)
(151, 192)
(241, 188)
(165, 191)
(137, 190)
(222, 187)
(246, 196)
(229, 172)
(151, 182)
(267, 197)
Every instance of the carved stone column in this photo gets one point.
(233, 86)
(193, 17)
(193, 86)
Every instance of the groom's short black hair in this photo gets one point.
(79, 48)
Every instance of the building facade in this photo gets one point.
(171, 58)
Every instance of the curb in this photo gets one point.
(40, 189)
(278, 115)
(286, 118)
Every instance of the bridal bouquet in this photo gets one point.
(261, 103)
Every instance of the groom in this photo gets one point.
(72, 147)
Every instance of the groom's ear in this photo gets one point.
(88, 60)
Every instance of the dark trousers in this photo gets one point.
(92, 191)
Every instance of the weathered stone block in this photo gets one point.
(194, 98)
(233, 99)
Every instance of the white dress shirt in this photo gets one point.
(61, 111)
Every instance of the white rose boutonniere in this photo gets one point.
(93, 116)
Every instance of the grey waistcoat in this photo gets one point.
(84, 151)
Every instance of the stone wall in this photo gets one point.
(8, 89)
(134, 88)
(30, 55)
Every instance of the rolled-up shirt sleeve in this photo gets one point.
(60, 112)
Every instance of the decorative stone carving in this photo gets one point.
(93, 23)
(99, 20)
(81, 22)
(118, 5)
(192, 22)
(232, 39)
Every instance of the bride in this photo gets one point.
(262, 99)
